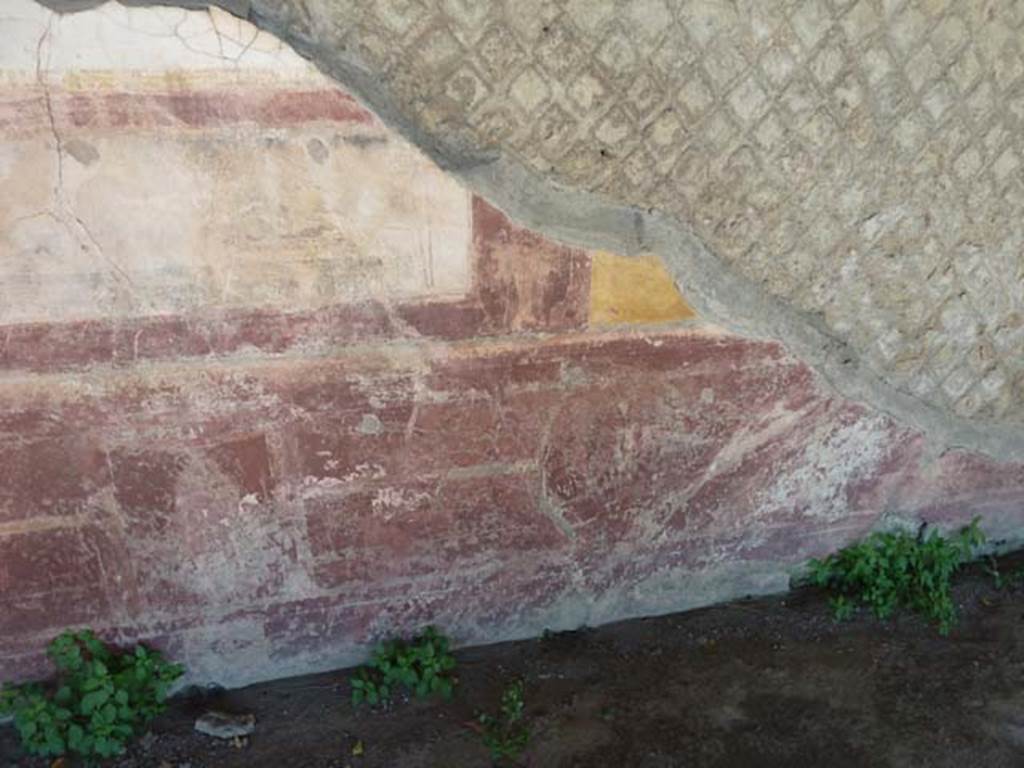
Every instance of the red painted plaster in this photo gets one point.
(24, 113)
(319, 502)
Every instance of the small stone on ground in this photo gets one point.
(223, 725)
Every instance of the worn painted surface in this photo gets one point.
(859, 163)
(264, 480)
(844, 175)
(264, 517)
(140, 180)
(634, 289)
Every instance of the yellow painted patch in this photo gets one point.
(633, 289)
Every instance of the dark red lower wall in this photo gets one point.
(266, 516)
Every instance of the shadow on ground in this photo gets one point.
(753, 683)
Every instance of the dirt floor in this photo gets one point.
(769, 682)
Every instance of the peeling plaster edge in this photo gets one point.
(584, 219)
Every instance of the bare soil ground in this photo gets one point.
(767, 682)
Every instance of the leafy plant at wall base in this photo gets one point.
(1000, 579)
(423, 666)
(97, 702)
(887, 571)
(506, 735)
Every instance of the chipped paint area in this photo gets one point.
(845, 451)
(388, 502)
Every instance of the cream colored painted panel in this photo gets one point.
(180, 186)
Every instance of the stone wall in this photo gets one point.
(274, 385)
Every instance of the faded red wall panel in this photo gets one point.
(299, 508)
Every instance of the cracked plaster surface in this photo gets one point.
(123, 133)
(847, 175)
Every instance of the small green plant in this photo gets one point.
(506, 735)
(1003, 580)
(97, 702)
(887, 571)
(422, 666)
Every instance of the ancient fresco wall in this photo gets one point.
(844, 175)
(274, 385)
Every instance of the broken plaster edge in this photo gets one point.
(584, 219)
